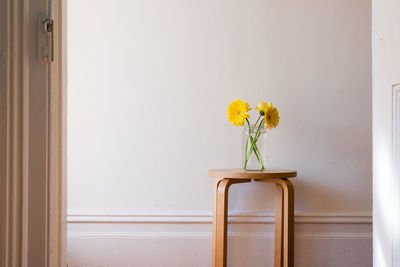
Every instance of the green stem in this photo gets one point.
(245, 153)
(247, 141)
(258, 120)
(254, 141)
(253, 146)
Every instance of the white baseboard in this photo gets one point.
(206, 217)
(184, 239)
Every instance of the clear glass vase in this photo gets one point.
(254, 150)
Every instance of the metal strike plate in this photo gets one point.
(46, 40)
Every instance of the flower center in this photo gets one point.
(239, 112)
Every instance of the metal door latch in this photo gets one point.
(46, 40)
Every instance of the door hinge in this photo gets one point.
(46, 40)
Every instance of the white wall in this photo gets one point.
(386, 132)
(149, 84)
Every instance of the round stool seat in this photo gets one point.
(243, 174)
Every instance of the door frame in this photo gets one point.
(32, 137)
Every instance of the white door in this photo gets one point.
(386, 132)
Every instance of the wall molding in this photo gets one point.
(207, 235)
(190, 245)
(343, 238)
(206, 218)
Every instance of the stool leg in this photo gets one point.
(279, 222)
(220, 222)
(215, 231)
(288, 215)
(284, 222)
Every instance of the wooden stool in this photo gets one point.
(284, 218)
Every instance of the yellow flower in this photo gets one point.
(261, 107)
(237, 112)
(271, 116)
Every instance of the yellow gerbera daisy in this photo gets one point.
(261, 107)
(271, 116)
(237, 112)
